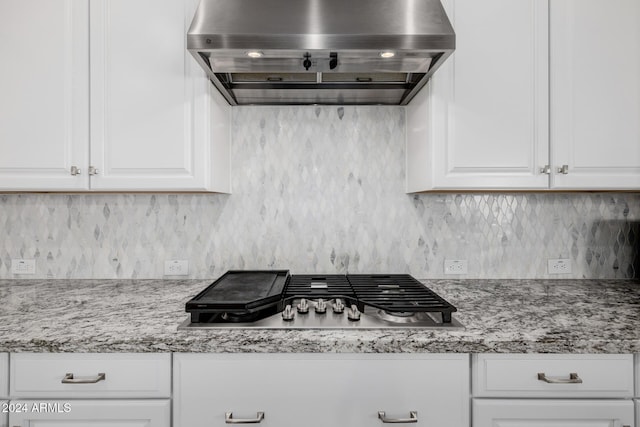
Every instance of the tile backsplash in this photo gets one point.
(321, 189)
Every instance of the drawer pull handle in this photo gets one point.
(69, 379)
(413, 418)
(228, 418)
(573, 379)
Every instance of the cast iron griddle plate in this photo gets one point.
(241, 292)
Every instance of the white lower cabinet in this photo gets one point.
(91, 413)
(637, 388)
(552, 390)
(89, 389)
(321, 390)
(4, 387)
(90, 375)
(4, 375)
(552, 413)
(550, 375)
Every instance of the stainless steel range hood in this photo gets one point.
(284, 52)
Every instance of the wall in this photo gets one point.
(321, 189)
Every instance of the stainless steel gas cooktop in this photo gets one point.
(278, 300)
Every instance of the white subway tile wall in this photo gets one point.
(321, 190)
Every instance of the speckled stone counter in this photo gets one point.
(544, 316)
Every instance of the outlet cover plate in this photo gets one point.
(176, 267)
(23, 266)
(559, 266)
(455, 266)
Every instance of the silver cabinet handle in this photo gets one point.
(228, 418)
(75, 170)
(69, 379)
(413, 418)
(93, 170)
(573, 379)
(546, 170)
(564, 169)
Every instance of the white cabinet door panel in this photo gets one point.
(4, 374)
(148, 98)
(595, 93)
(44, 87)
(552, 413)
(490, 99)
(637, 377)
(321, 390)
(93, 413)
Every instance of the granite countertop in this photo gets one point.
(518, 316)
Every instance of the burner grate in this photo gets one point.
(319, 286)
(399, 293)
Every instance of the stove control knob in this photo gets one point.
(303, 306)
(353, 313)
(321, 306)
(338, 306)
(288, 313)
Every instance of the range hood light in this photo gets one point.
(254, 54)
(387, 54)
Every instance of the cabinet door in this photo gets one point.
(92, 413)
(321, 390)
(552, 413)
(488, 103)
(595, 93)
(637, 370)
(4, 374)
(150, 107)
(44, 97)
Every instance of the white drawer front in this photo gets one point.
(90, 413)
(4, 375)
(517, 375)
(125, 375)
(321, 390)
(552, 413)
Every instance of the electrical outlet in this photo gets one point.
(559, 266)
(455, 266)
(176, 267)
(23, 266)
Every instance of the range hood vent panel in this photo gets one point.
(331, 39)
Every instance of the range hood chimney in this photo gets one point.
(299, 52)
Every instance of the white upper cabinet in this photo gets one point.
(532, 86)
(488, 103)
(149, 99)
(595, 93)
(130, 109)
(44, 94)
